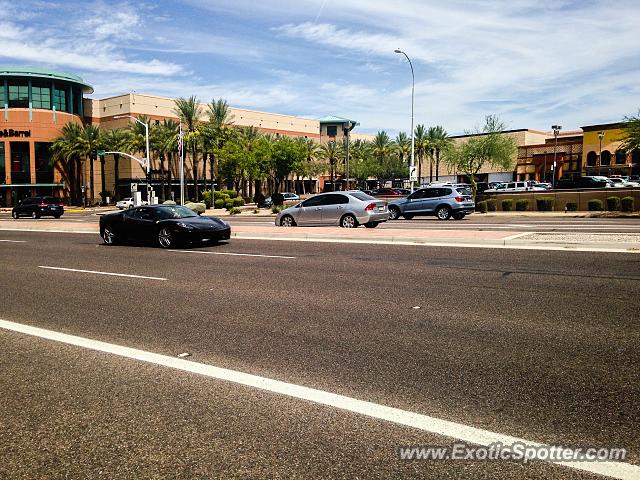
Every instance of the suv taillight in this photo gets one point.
(43, 204)
(370, 207)
(459, 199)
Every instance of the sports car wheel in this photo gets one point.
(165, 238)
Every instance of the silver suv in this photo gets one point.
(444, 202)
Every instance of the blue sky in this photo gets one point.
(532, 62)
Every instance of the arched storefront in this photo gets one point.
(36, 105)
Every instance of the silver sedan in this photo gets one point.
(347, 209)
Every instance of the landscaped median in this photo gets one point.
(619, 242)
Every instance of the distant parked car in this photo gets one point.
(346, 209)
(128, 203)
(584, 182)
(443, 202)
(287, 197)
(165, 225)
(526, 186)
(388, 192)
(36, 207)
(620, 182)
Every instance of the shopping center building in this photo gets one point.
(37, 103)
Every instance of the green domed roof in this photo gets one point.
(43, 73)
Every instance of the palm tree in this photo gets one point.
(116, 141)
(421, 146)
(168, 132)
(402, 145)
(66, 158)
(220, 118)
(312, 152)
(90, 142)
(440, 142)
(189, 111)
(331, 152)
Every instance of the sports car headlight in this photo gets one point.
(184, 225)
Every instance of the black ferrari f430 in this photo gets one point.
(165, 225)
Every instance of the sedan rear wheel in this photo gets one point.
(287, 221)
(348, 221)
(14, 214)
(108, 236)
(458, 216)
(35, 214)
(165, 238)
(394, 213)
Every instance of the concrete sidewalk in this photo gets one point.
(619, 242)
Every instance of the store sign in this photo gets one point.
(11, 133)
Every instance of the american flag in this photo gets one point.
(180, 141)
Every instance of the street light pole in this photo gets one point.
(146, 134)
(556, 132)
(413, 87)
(347, 159)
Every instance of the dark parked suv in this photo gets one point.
(36, 207)
(582, 182)
(443, 202)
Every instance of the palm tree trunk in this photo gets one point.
(91, 186)
(104, 180)
(79, 199)
(204, 167)
(437, 163)
(194, 169)
(162, 179)
(116, 174)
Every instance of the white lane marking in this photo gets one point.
(102, 273)
(14, 241)
(419, 421)
(229, 253)
(448, 244)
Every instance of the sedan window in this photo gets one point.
(334, 199)
(313, 201)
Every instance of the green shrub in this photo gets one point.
(219, 203)
(613, 204)
(544, 204)
(234, 211)
(230, 193)
(571, 206)
(507, 205)
(627, 204)
(482, 206)
(206, 198)
(168, 202)
(228, 204)
(238, 202)
(277, 208)
(492, 205)
(595, 205)
(522, 205)
(196, 207)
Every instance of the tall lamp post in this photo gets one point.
(599, 164)
(556, 132)
(413, 87)
(146, 132)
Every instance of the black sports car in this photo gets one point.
(164, 225)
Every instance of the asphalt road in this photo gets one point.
(538, 345)
(475, 222)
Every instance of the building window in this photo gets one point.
(332, 130)
(2, 99)
(591, 159)
(621, 157)
(19, 96)
(44, 167)
(20, 162)
(605, 159)
(41, 97)
(60, 99)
